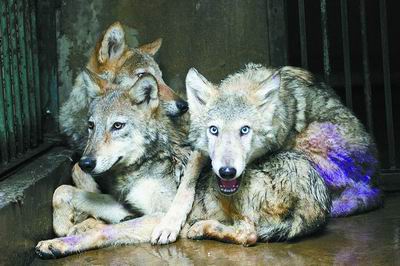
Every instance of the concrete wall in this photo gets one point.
(215, 36)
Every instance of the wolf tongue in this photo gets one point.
(228, 183)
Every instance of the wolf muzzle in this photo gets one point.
(87, 164)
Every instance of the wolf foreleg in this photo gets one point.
(98, 205)
(242, 232)
(88, 224)
(64, 215)
(70, 202)
(130, 232)
(83, 180)
(168, 229)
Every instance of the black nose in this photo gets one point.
(182, 106)
(227, 172)
(87, 164)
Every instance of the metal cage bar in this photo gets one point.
(346, 53)
(3, 133)
(15, 76)
(325, 41)
(6, 71)
(366, 70)
(22, 51)
(30, 77)
(20, 110)
(303, 34)
(387, 84)
(35, 61)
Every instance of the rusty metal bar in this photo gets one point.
(366, 71)
(387, 85)
(346, 53)
(325, 41)
(6, 71)
(303, 34)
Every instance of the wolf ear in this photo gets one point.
(112, 45)
(144, 92)
(92, 82)
(268, 87)
(198, 90)
(151, 48)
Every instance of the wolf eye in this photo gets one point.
(244, 130)
(140, 74)
(118, 125)
(90, 125)
(213, 130)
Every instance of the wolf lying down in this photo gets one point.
(281, 146)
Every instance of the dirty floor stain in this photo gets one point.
(367, 239)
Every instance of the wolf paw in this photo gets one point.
(85, 226)
(51, 249)
(167, 231)
(196, 231)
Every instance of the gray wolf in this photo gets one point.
(112, 62)
(278, 194)
(300, 115)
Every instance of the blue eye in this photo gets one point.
(244, 130)
(90, 125)
(213, 130)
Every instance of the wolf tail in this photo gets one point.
(357, 198)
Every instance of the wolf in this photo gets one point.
(304, 116)
(301, 115)
(135, 153)
(112, 62)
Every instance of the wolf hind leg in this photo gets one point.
(130, 232)
(242, 232)
(298, 202)
(357, 198)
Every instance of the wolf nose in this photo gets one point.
(227, 172)
(87, 164)
(182, 106)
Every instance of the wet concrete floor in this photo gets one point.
(367, 239)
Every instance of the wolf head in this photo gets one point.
(114, 63)
(236, 122)
(122, 127)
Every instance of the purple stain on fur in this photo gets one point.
(348, 203)
(345, 164)
(72, 240)
(111, 231)
(345, 167)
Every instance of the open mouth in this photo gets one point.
(228, 186)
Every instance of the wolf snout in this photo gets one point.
(227, 172)
(87, 164)
(182, 106)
